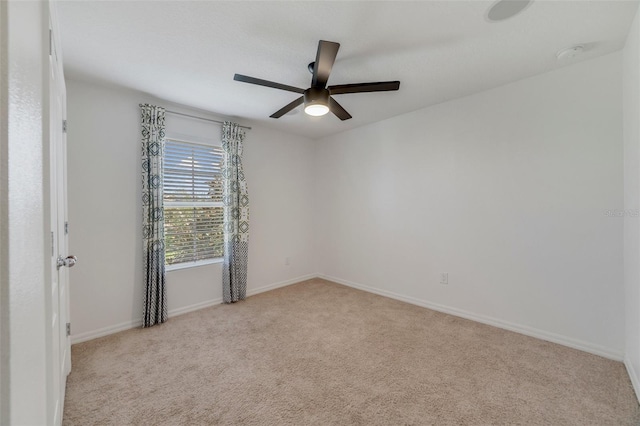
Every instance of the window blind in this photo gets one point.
(192, 173)
(193, 215)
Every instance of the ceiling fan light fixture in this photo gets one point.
(316, 110)
(316, 101)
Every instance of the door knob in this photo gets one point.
(69, 261)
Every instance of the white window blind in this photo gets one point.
(192, 202)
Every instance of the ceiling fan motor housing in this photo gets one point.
(314, 96)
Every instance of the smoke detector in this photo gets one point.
(570, 52)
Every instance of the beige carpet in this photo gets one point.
(318, 353)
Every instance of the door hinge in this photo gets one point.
(66, 228)
(51, 243)
(64, 126)
(68, 329)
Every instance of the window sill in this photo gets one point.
(187, 265)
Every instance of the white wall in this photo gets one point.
(505, 190)
(631, 97)
(24, 192)
(4, 222)
(104, 174)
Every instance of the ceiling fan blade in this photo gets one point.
(337, 109)
(287, 108)
(326, 56)
(382, 86)
(260, 82)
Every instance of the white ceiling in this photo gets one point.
(187, 52)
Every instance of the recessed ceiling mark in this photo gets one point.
(505, 9)
(570, 52)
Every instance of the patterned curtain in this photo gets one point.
(153, 129)
(236, 215)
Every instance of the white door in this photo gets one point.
(60, 344)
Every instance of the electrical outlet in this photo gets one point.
(444, 278)
(287, 261)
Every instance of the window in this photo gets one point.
(192, 202)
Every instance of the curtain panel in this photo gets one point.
(153, 132)
(236, 215)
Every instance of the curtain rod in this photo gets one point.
(202, 118)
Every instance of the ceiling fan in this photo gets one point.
(318, 99)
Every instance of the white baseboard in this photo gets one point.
(105, 331)
(522, 329)
(194, 307)
(101, 332)
(633, 375)
(254, 291)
